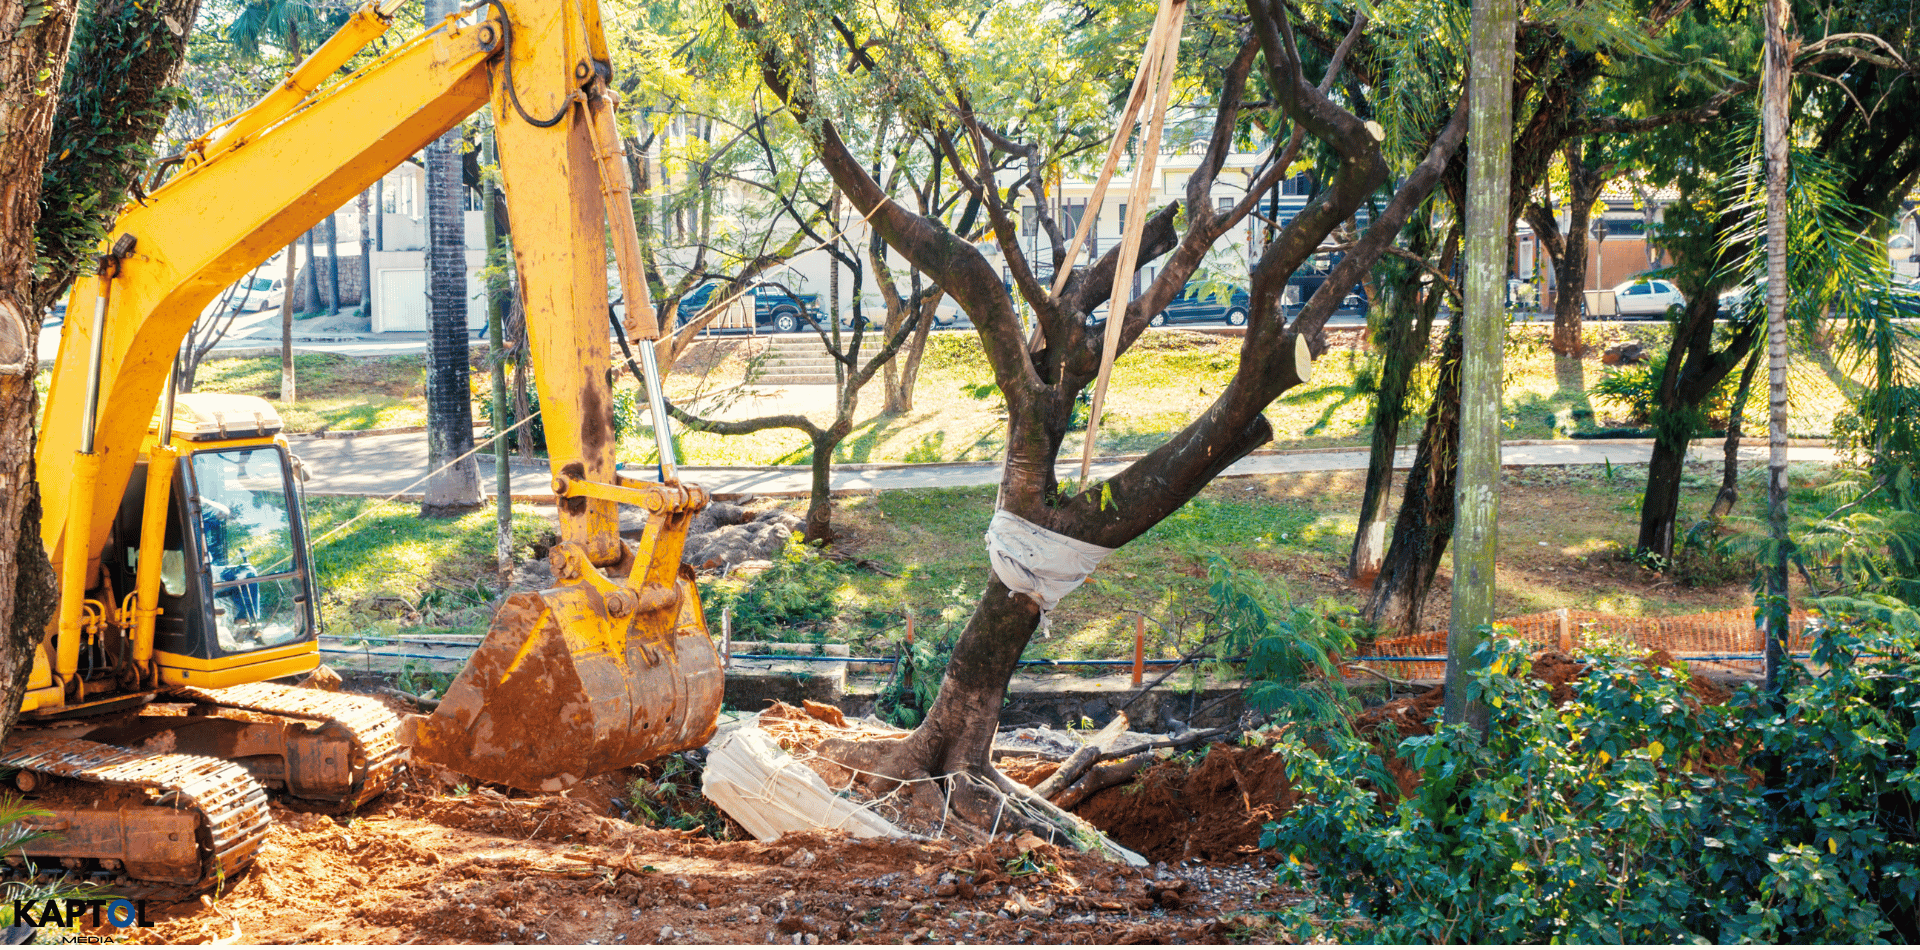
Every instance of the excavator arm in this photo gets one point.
(613, 664)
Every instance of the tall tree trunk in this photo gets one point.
(1425, 522)
(1774, 119)
(32, 55)
(1403, 346)
(1489, 229)
(333, 263)
(456, 489)
(366, 254)
(311, 304)
(492, 216)
(288, 391)
(126, 56)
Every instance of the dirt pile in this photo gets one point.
(1211, 811)
(428, 868)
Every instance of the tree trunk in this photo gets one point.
(288, 391)
(1774, 120)
(366, 254)
(1693, 370)
(1425, 522)
(1730, 470)
(32, 55)
(456, 489)
(1489, 231)
(1403, 347)
(126, 56)
(333, 264)
(497, 293)
(312, 300)
(900, 390)
(819, 524)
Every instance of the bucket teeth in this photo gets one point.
(561, 691)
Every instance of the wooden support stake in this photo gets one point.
(726, 637)
(1566, 632)
(1164, 57)
(1139, 649)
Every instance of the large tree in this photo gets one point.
(1041, 384)
(33, 52)
(117, 94)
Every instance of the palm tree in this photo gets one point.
(455, 490)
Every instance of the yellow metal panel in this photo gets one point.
(559, 246)
(42, 675)
(48, 698)
(194, 664)
(177, 670)
(218, 221)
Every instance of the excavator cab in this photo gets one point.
(236, 595)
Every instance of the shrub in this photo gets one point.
(797, 593)
(1632, 812)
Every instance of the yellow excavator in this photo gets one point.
(157, 714)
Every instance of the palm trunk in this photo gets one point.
(288, 391)
(455, 487)
(312, 301)
(366, 255)
(333, 264)
(1774, 118)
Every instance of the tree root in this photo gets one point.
(971, 801)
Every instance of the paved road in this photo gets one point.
(389, 464)
(258, 334)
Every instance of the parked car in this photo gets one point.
(773, 307)
(1195, 305)
(260, 293)
(1647, 298)
(1733, 300)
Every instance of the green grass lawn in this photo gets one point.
(1167, 379)
(1563, 531)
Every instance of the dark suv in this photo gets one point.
(1194, 305)
(773, 307)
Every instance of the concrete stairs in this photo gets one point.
(795, 359)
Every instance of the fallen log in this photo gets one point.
(1103, 776)
(1082, 760)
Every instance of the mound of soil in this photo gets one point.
(421, 867)
(1210, 811)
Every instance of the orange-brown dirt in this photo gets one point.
(1211, 812)
(432, 862)
(422, 867)
(435, 862)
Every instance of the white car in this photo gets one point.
(1647, 298)
(260, 293)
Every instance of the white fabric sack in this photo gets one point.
(1039, 563)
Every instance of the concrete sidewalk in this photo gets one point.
(387, 464)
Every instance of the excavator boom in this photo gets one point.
(609, 667)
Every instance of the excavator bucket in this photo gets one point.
(578, 680)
